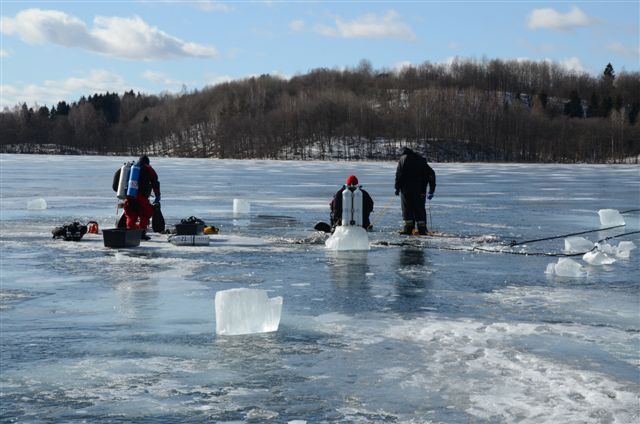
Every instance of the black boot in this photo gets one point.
(144, 236)
(422, 228)
(407, 229)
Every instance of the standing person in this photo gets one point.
(137, 208)
(413, 175)
(336, 203)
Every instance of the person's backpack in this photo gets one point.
(192, 220)
(70, 232)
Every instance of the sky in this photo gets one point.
(61, 50)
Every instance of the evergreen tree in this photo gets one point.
(607, 105)
(609, 74)
(594, 106)
(43, 112)
(63, 108)
(573, 108)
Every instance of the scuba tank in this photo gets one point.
(134, 175)
(123, 182)
(352, 206)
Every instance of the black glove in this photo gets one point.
(397, 192)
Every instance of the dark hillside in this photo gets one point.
(467, 111)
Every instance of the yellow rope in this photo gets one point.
(385, 207)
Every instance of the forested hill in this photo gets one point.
(466, 111)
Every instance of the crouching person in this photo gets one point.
(356, 210)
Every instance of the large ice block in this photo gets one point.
(566, 267)
(37, 205)
(246, 311)
(241, 207)
(577, 245)
(348, 238)
(610, 218)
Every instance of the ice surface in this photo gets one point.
(348, 238)
(610, 218)
(241, 206)
(246, 311)
(577, 245)
(598, 258)
(566, 267)
(623, 250)
(37, 205)
(147, 354)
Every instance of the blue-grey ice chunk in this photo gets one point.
(610, 218)
(37, 205)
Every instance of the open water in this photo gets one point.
(416, 330)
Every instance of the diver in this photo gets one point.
(351, 201)
(137, 207)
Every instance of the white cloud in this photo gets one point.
(572, 64)
(622, 50)
(70, 89)
(129, 38)
(4, 53)
(370, 26)
(548, 18)
(159, 78)
(453, 45)
(297, 25)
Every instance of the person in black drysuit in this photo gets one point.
(413, 175)
(336, 204)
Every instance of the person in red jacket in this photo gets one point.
(137, 209)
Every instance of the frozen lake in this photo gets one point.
(416, 330)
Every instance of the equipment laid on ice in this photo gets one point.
(190, 227)
(70, 232)
(352, 206)
(189, 240)
(92, 227)
(157, 219)
(119, 237)
(211, 230)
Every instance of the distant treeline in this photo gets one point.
(493, 110)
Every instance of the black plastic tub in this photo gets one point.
(189, 229)
(119, 237)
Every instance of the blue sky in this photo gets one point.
(52, 50)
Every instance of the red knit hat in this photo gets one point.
(352, 180)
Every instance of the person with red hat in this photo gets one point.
(336, 204)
